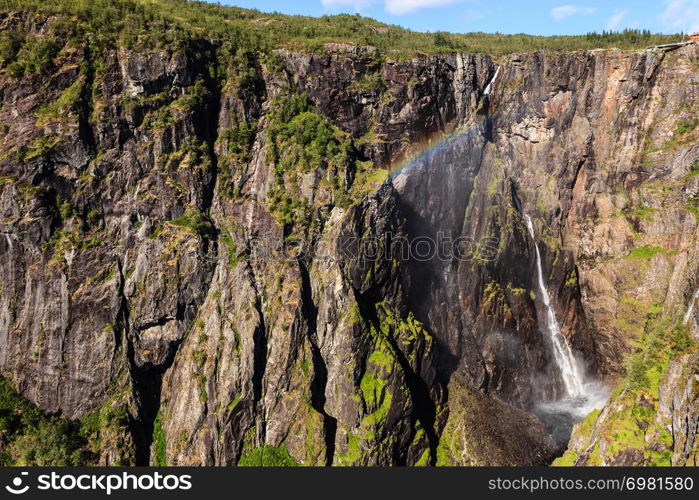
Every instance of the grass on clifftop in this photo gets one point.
(149, 23)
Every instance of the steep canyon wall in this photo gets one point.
(153, 204)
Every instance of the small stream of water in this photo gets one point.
(690, 308)
(489, 87)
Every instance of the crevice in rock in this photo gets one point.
(320, 380)
(211, 112)
(121, 331)
(146, 380)
(156, 322)
(85, 130)
(260, 345)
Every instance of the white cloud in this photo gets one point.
(409, 6)
(560, 13)
(616, 19)
(392, 6)
(680, 15)
(356, 4)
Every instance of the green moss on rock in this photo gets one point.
(267, 456)
(159, 442)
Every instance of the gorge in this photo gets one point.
(198, 257)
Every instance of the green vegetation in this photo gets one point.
(373, 385)
(382, 385)
(370, 82)
(64, 104)
(10, 43)
(109, 423)
(684, 127)
(645, 213)
(572, 279)
(367, 179)
(661, 342)
(40, 146)
(65, 209)
(634, 424)
(646, 252)
(636, 376)
(231, 249)
(30, 438)
(376, 397)
(681, 136)
(694, 170)
(294, 120)
(300, 140)
(268, 456)
(633, 315)
(164, 115)
(159, 458)
(177, 23)
(239, 140)
(196, 222)
(25, 56)
(693, 206)
(63, 241)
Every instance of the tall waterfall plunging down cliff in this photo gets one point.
(571, 374)
(489, 88)
(690, 308)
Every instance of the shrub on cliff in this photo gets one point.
(30, 438)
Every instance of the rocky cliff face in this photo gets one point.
(204, 251)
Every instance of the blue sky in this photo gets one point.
(539, 17)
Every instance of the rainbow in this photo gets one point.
(422, 152)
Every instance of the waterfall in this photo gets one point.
(690, 309)
(489, 87)
(562, 354)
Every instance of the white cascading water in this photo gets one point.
(690, 309)
(572, 375)
(489, 87)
